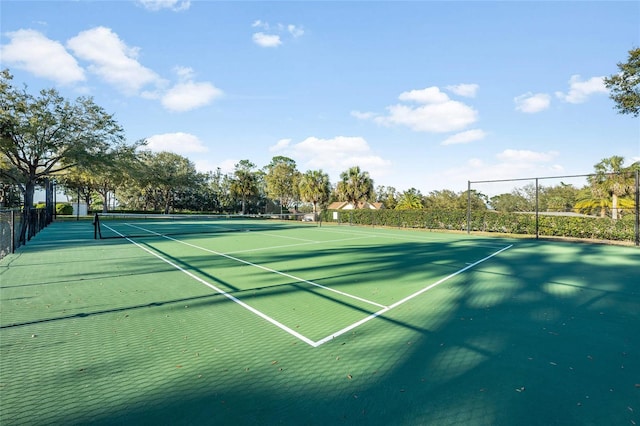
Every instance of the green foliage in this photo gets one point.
(64, 209)
(355, 186)
(492, 221)
(282, 179)
(624, 86)
(44, 135)
(611, 183)
(315, 188)
(245, 182)
(387, 195)
(410, 199)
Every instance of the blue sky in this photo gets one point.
(424, 95)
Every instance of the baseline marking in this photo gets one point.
(278, 324)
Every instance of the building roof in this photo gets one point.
(345, 205)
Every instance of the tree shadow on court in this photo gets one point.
(537, 336)
(544, 333)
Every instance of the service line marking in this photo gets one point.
(278, 324)
(222, 292)
(284, 274)
(406, 299)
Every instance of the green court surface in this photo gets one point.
(305, 325)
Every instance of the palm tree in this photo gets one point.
(315, 188)
(590, 204)
(410, 199)
(613, 179)
(355, 186)
(245, 182)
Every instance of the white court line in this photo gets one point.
(406, 299)
(284, 274)
(222, 292)
(283, 327)
(427, 237)
(296, 245)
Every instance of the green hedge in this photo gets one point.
(61, 208)
(64, 208)
(491, 221)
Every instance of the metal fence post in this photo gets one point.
(537, 212)
(12, 222)
(637, 208)
(468, 207)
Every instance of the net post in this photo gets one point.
(96, 227)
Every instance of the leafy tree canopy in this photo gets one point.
(625, 86)
(45, 134)
(355, 186)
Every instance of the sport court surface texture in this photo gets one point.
(318, 325)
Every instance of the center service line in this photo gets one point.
(284, 274)
(400, 302)
(222, 292)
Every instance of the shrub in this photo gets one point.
(64, 209)
(491, 221)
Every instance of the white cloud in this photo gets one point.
(363, 115)
(188, 94)
(437, 114)
(175, 5)
(184, 73)
(228, 166)
(179, 143)
(31, 51)
(579, 91)
(430, 95)
(112, 60)
(280, 145)
(526, 156)
(334, 155)
(272, 35)
(266, 40)
(464, 137)
(443, 117)
(508, 164)
(466, 90)
(295, 31)
(532, 103)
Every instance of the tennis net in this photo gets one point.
(136, 225)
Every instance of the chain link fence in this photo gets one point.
(591, 206)
(11, 222)
(600, 207)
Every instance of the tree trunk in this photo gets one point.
(614, 206)
(29, 190)
(105, 200)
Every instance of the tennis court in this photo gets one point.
(286, 322)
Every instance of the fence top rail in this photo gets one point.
(548, 177)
